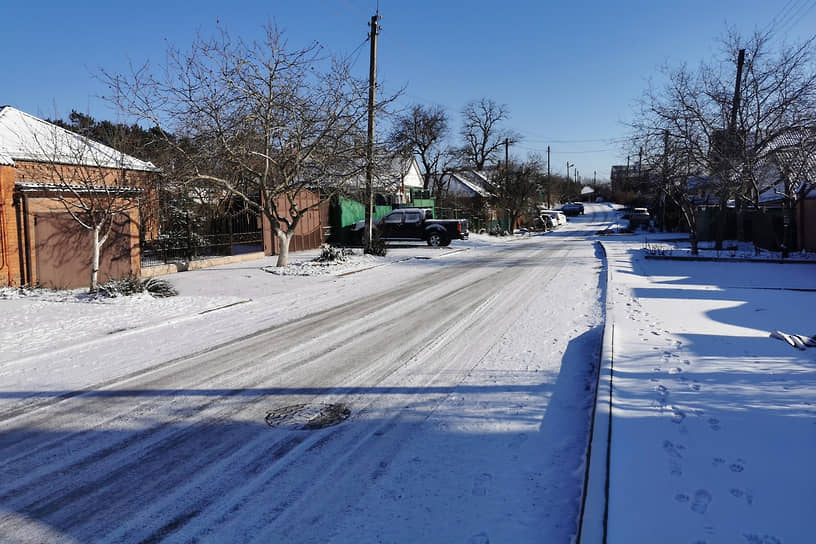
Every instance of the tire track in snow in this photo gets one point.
(163, 439)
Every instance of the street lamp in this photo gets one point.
(568, 167)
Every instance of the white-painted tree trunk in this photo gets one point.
(95, 259)
(283, 242)
(96, 250)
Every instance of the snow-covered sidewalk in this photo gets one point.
(713, 427)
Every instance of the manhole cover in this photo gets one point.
(308, 417)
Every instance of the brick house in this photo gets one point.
(43, 170)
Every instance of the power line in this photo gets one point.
(792, 12)
(798, 15)
(587, 141)
(357, 51)
(774, 22)
(571, 152)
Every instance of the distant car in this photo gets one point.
(546, 222)
(555, 216)
(639, 218)
(573, 208)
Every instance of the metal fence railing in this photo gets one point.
(184, 246)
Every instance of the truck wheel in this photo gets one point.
(435, 239)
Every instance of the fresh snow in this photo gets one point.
(714, 422)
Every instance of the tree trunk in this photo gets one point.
(787, 239)
(283, 244)
(719, 231)
(691, 222)
(695, 249)
(740, 220)
(95, 259)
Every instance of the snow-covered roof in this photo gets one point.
(30, 186)
(24, 137)
(792, 159)
(471, 181)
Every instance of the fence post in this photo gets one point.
(189, 237)
(229, 230)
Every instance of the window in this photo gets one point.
(394, 217)
(413, 217)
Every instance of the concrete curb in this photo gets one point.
(594, 508)
(703, 258)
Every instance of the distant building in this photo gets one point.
(625, 178)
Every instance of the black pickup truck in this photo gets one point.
(406, 224)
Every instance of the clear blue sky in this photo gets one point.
(568, 71)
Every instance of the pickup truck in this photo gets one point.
(406, 224)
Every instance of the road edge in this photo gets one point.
(594, 505)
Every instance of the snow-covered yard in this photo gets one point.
(714, 422)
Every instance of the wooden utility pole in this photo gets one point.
(665, 180)
(506, 153)
(372, 87)
(732, 125)
(549, 205)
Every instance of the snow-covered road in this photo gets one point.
(467, 378)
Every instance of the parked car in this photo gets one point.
(573, 208)
(557, 217)
(406, 224)
(639, 218)
(546, 221)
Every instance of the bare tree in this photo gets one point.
(516, 189)
(421, 131)
(482, 131)
(729, 127)
(94, 183)
(263, 119)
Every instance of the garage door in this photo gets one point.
(63, 252)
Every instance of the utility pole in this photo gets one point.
(372, 87)
(732, 125)
(549, 205)
(506, 154)
(665, 180)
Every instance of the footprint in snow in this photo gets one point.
(662, 395)
(761, 539)
(718, 461)
(480, 485)
(678, 415)
(673, 450)
(675, 469)
(702, 498)
(737, 467)
(481, 538)
(682, 497)
(714, 423)
(517, 441)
